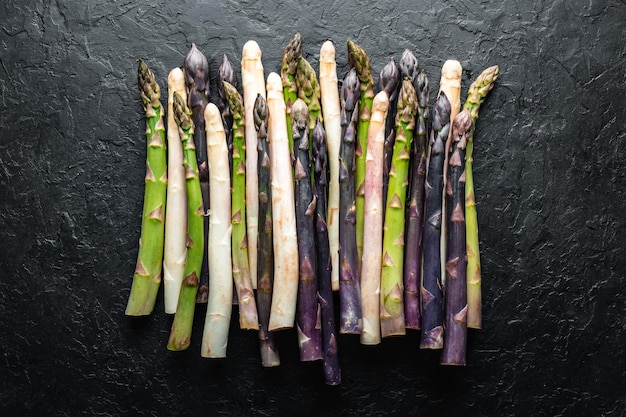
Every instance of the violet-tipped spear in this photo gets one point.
(455, 290)
(196, 69)
(309, 335)
(350, 318)
(415, 210)
(332, 372)
(431, 289)
(265, 269)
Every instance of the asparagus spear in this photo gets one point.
(415, 210)
(357, 59)
(147, 276)
(350, 318)
(373, 219)
(391, 287)
(450, 84)
(332, 372)
(455, 307)
(253, 82)
(390, 82)
(309, 335)
(332, 124)
(431, 290)
(289, 65)
(219, 306)
(196, 69)
(269, 349)
(180, 334)
(248, 317)
(283, 211)
(475, 97)
(226, 73)
(175, 248)
(309, 92)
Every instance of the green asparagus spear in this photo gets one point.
(289, 65)
(475, 97)
(180, 334)
(391, 286)
(248, 318)
(226, 72)
(357, 59)
(390, 81)
(309, 92)
(147, 276)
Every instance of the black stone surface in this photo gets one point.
(549, 171)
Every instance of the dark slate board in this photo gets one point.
(549, 169)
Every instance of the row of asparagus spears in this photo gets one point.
(300, 188)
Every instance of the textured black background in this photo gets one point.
(550, 186)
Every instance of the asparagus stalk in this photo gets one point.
(219, 306)
(415, 210)
(455, 307)
(253, 82)
(283, 211)
(390, 82)
(226, 73)
(476, 96)
(309, 334)
(248, 317)
(175, 250)
(147, 276)
(196, 69)
(268, 347)
(309, 91)
(332, 371)
(180, 334)
(332, 124)
(431, 290)
(391, 291)
(373, 220)
(357, 59)
(289, 67)
(450, 84)
(350, 316)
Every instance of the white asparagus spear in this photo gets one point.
(373, 222)
(175, 249)
(219, 306)
(450, 83)
(285, 292)
(332, 124)
(253, 83)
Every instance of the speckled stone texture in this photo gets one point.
(549, 172)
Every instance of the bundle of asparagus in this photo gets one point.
(388, 188)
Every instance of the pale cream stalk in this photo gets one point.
(332, 124)
(450, 83)
(253, 83)
(373, 222)
(175, 248)
(285, 292)
(219, 305)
